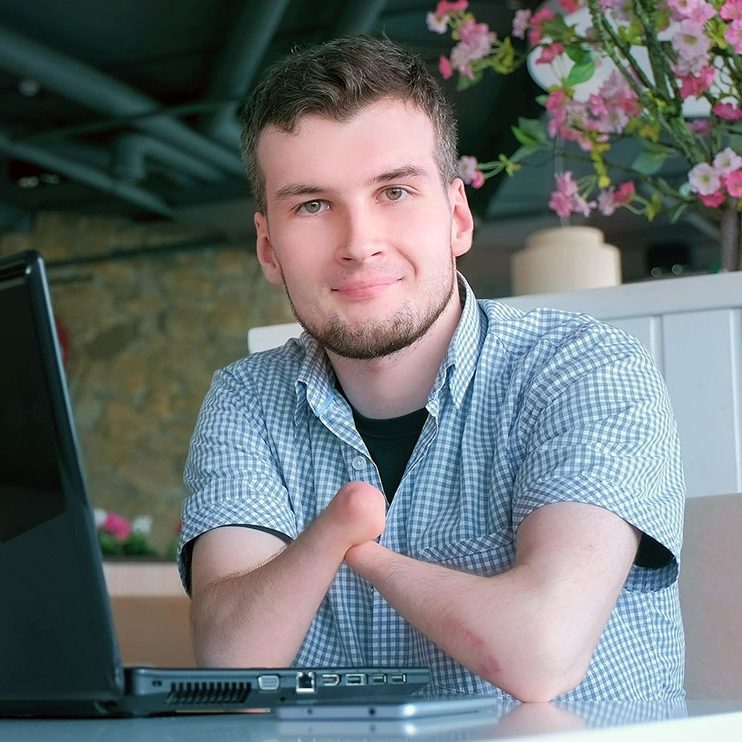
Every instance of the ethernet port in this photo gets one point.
(305, 682)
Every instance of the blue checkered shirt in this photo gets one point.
(526, 410)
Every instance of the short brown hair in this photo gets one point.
(337, 80)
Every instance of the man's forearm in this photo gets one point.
(258, 615)
(260, 618)
(493, 625)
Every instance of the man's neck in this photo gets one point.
(398, 384)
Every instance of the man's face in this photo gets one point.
(359, 228)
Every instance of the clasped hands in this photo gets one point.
(355, 517)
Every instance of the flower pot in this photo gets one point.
(565, 259)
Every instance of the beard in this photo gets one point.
(377, 338)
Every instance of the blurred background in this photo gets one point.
(119, 163)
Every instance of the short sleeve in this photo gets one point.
(231, 472)
(598, 428)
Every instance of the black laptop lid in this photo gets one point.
(56, 631)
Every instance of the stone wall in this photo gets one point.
(145, 334)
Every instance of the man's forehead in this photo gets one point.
(278, 133)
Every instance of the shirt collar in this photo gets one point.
(461, 359)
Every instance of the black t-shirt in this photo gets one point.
(390, 442)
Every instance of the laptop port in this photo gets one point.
(355, 678)
(269, 682)
(305, 682)
(399, 678)
(378, 678)
(329, 679)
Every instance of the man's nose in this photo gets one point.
(361, 235)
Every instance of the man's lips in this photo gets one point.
(364, 289)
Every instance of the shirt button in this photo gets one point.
(358, 463)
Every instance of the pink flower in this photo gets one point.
(477, 37)
(733, 183)
(727, 111)
(625, 193)
(560, 204)
(469, 173)
(613, 198)
(566, 199)
(541, 16)
(619, 9)
(571, 6)
(692, 46)
(712, 200)
(467, 167)
(436, 23)
(550, 52)
(444, 67)
(461, 61)
(727, 161)
(704, 179)
(733, 35)
(443, 7)
(696, 10)
(520, 23)
(702, 127)
(731, 10)
(694, 86)
(117, 526)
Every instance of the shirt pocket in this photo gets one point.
(485, 555)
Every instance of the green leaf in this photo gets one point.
(577, 53)
(580, 73)
(676, 213)
(464, 82)
(534, 129)
(735, 142)
(648, 162)
(525, 139)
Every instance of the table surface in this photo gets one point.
(655, 721)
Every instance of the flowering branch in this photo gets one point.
(605, 92)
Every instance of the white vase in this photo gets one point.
(564, 259)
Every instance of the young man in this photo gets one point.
(423, 477)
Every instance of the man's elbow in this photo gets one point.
(536, 672)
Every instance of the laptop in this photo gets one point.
(58, 650)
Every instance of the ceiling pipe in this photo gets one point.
(132, 151)
(244, 58)
(87, 175)
(97, 91)
(238, 64)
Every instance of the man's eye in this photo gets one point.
(313, 207)
(395, 194)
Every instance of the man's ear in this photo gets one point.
(264, 249)
(462, 221)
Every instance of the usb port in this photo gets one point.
(355, 678)
(305, 682)
(378, 679)
(329, 679)
(268, 682)
(398, 678)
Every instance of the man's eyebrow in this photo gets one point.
(399, 173)
(298, 189)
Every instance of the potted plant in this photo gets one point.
(622, 69)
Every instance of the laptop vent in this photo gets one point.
(208, 693)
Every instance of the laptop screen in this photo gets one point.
(56, 635)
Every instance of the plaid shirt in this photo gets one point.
(526, 410)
